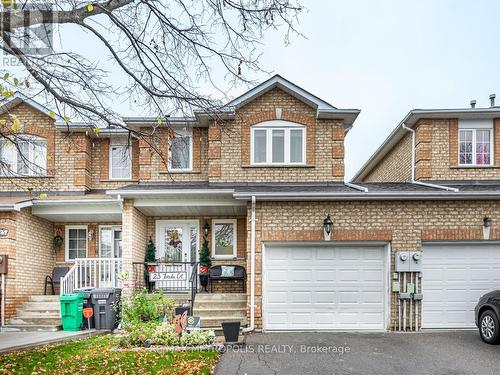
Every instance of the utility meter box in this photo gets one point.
(402, 261)
(415, 261)
(409, 261)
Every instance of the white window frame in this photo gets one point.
(110, 156)
(269, 126)
(66, 241)
(113, 228)
(474, 126)
(14, 149)
(235, 239)
(182, 133)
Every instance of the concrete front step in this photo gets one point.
(237, 313)
(32, 328)
(41, 306)
(216, 321)
(222, 304)
(44, 299)
(221, 297)
(38, 314)
(35, 320)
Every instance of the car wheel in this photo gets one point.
(489, 328)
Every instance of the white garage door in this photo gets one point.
(315, 288)
(454, 277)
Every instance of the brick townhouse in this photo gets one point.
(264, 184)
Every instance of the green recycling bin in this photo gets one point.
(71, 311)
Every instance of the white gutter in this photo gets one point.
(54, 202)
(169, 192)
(413, 157)
(452, 195)
(252, 268)
(356, 187)
(15, 206)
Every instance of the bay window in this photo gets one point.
(23, 156)
(181, 151)
(278, 143)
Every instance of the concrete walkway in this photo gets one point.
(12, 341)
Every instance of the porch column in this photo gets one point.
(134, 231)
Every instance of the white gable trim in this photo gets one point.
(285, 85)
(19, 98)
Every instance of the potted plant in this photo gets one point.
(205, 263)
(150, 257)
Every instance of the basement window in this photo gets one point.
(278, 142)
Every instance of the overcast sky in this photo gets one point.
(384, 57)
(387, 57)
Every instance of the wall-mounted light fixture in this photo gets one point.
(206, 228)
(486, 228)
(327, 227)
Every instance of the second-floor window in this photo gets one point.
(180, 150)
(120, 161)
(475, 146)
(24, 156)
(278, 143)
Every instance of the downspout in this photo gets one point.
(252, 268)
(413, 157)
(356, 187)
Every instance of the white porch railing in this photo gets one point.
(93, 272)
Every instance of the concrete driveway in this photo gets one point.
(453, 352)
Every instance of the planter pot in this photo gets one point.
(203, 269)
(204, 281)
(231, 331)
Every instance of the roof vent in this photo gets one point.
(492, 100)
(473, 104)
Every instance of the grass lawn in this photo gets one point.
(94, 356)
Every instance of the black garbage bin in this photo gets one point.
(87, 303)
(104, 301)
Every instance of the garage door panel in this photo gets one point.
(454, 277)
(335, 289)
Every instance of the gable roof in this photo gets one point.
(324, 110)
(19, 98)
(285, 85)
(411, 119)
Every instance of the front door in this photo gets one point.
(110, 249)
(177, 243)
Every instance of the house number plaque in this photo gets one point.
(168, 276)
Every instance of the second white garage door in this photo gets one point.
(324, 288)
(454, 277)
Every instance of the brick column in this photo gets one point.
(423, 166)
(214, 151)
(82, 161)
(338, 151)
(134, 230)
